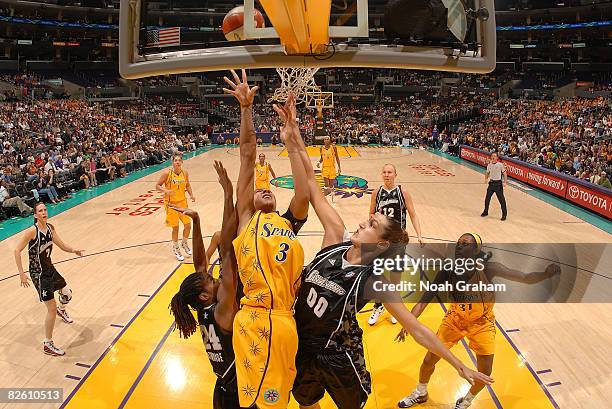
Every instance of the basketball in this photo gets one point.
(233, 23)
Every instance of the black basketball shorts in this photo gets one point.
(226, 395)
(342, 376)
(47, 283)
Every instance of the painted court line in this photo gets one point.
(535, 375)
(117, 325)
(146, 367)
(553, 384)
(513, 330)
(74, 391)
(543, 371)
(76, 378)
(83, 365)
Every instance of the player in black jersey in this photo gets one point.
(392, 201)
(46, 279)
(330, 355)
(213, 300)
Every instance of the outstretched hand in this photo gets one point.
(241, 89)
(473, 376)
(288, 114)
(224, 180)
(187, 212)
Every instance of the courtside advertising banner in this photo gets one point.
(587, 195)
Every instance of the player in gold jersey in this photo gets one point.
(270, 261)
(263, 170)
(328, 160)
(174, 183)
(466, 318)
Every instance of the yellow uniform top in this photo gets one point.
(270, 261)
(178, 184)
(329, 157)
(262, 172)
(469, 306)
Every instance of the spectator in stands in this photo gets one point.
(604, 181)
(43, 186)
(62, 191)
(7, 201)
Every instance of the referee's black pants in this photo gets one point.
(496, 186)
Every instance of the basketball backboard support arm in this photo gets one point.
(132, 64)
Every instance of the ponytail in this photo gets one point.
(186, 299)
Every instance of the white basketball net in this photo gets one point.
(299, 80)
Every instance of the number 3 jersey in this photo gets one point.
(218, 345)
(331, 294)
(270, 260)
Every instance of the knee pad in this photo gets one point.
(65, 295)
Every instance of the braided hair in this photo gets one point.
(187, 298)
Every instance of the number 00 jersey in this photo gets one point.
(218, 345)
(329, 298)
(391, 203)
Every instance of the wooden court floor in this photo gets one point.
(121, 351)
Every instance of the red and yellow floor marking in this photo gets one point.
(149, 367)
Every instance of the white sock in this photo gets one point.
(61, 307)
(469, 397)
(421, 388)
(185, 241)
(47, 340)
(175, 244)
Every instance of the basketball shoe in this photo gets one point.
(376, 313)
(50, 349)
(177, 253)
(462, 403)
(63, 314)
(186, 247)
(413, 399)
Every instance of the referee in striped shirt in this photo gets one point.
(495, 171)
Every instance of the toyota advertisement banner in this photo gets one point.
(591, 197)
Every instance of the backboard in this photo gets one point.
(154, 40)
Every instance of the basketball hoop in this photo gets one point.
(299, 80)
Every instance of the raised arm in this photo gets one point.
(248, 145)
(214, 243)
(290, 136)
(62, 245)
(331, 220)
(226, 296)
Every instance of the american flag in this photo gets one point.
(164, 37)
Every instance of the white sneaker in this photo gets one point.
(462, 403)
(50, 349)
(186, 248)
(393, 320)
(413, 399)
(178, 255)
(63, 314)
(376, 312)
